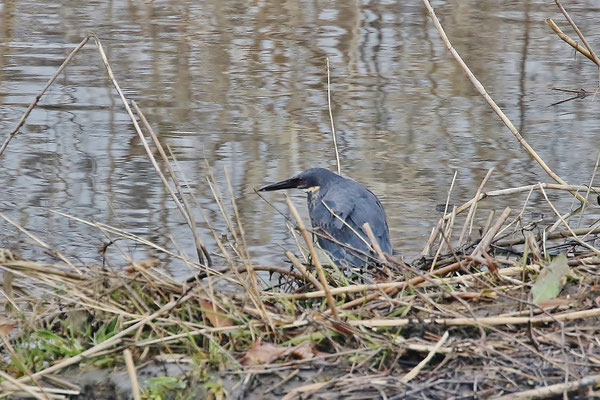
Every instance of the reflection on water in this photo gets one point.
(242, 86)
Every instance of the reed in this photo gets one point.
(413, 330)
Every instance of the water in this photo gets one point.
(242, 86)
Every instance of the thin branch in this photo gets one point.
(568, 40)
(314, 255)
(335, 146)
(553, 390)
(41, 93)
(576, 29)
(492, 103)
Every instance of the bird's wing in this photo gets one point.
(369, 209)
(354, 208)
(332, 203)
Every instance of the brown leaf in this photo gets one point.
(144, 264)
(214, 314)
(304, 351)
(341, 327)
(556, 302)
(7, 326)
(492, 265)
(262, 353)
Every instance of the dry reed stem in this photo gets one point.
(314, 255)
(236, 213)
(53, 78)
(449, 228)
(41, 93)
(335, 146)
(143, 138)
(565, 217)
(488, 222)
(451, 220)
(422, 348)
(553, 236)
(39, 241)
(294, 260)
(587, 192)
(553, 390)
(74, 295)
(473, 207)
(188, 334)
(560, 217)
(482, 321)
(434, 234)
(305, 389)
(242, 269)
(367, 229)
(251, 289)
(31, 390)
(576, 29)
(568, 39)
(214, 188)
(135, 386)
(47, 269)
(415, 371)
(123, 234)
(489, 236)
(189, 215)
(206, 269)
(521, 189)
(388, 288)
(112, 341)
(491, 102)
(12, 353)
(50, 392)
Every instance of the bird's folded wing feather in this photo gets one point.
(332, 213)
(356, 211)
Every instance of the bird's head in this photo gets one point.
(309, 180)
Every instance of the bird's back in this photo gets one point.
(342, 235)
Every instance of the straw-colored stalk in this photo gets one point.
(567, 39)
(335, 146)
(489, 321)
(576, 29)
(314, 256)
(186, 210)
(491, 102)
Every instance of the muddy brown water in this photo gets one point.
(242, 85)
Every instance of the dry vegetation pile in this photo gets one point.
(500, 309)
(472, 320)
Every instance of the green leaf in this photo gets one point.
(550, 281)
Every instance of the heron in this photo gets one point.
(338, 208)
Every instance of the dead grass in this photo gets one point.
(462, 321)
(469, 326)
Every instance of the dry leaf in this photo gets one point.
(214, 314)
(144, 264)
(304, 351)
(262, 353)
(7, 326)
(551, 303)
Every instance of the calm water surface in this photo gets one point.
(241, 85)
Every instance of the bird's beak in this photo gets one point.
(291, 183)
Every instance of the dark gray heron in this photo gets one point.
(338, 208)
